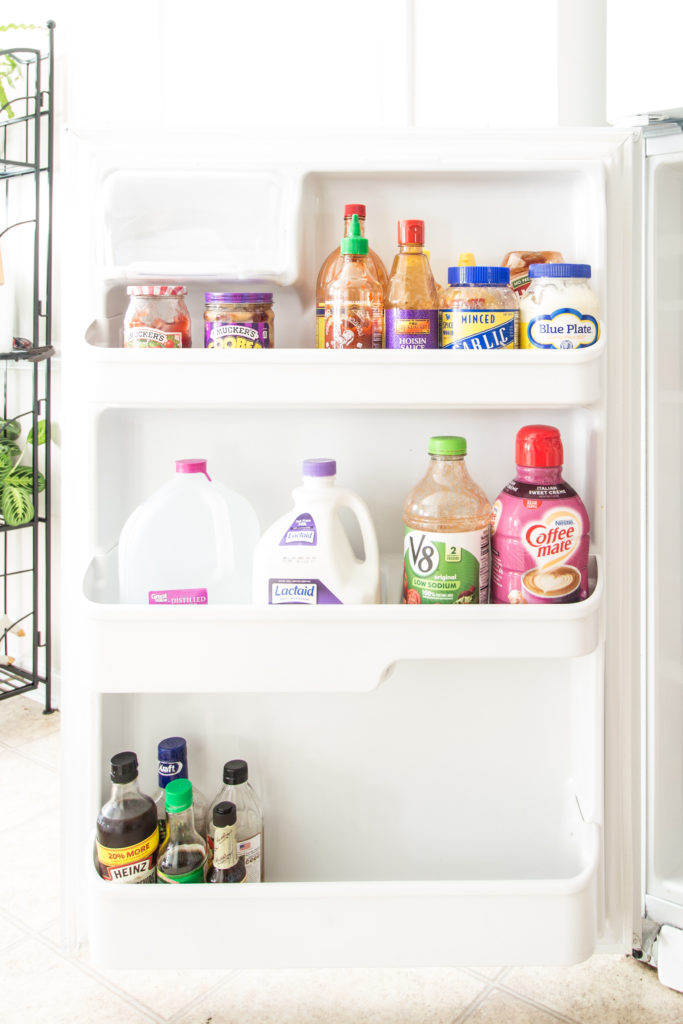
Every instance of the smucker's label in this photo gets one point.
(146, 337)
(242, 335)
(481, 329)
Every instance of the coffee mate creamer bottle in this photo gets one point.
(540, 534)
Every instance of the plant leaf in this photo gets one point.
(22, 476)
(6, 463)
(13, 450)
(10, 430)
(42, 433)
(17, 507)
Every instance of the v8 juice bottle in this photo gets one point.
(541, 531)
(411, 303)
(447, 521)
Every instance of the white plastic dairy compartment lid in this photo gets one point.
(231, 224)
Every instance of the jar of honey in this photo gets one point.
(238, 320)
(157, 317)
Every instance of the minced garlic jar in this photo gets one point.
(478, 310)
(559, 309)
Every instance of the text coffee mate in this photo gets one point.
(541, 531)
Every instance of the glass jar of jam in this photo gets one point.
(157, 317)
(238, 320)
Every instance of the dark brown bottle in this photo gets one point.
(127, 833)
(227, 866)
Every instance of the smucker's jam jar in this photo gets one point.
(238, 320)
(157, 317)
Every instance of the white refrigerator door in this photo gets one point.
(662, 561)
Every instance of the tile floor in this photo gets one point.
(38, 982)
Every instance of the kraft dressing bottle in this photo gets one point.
(306, 558)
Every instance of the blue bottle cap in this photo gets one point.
(172, 753)
(479, 275)
(559, 270)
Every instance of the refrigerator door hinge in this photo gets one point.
(646, 950)
(662, 947)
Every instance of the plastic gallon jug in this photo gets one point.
(306, 557)
(541, 531)
(192, 542)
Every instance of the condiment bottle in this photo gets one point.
(559, 310)
(127, 835)
(446, 544)
(541, 531)
(182, 857)
(172, 764)
(354, 299)
(332, 265)
(157, 317)
(239, 791)
(227, 865)
(478, 309)
(411, 302)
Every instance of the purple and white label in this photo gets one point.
(242, 335)
(411, 328)
(301, 532)
(300, 592)
(194, 596)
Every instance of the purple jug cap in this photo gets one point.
(319, 467)
(191, 466)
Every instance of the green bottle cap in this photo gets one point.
(447, 446)
(179, 795)
(354, 243)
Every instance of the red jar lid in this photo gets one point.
(538, 446)
(352, 208)
(156, 289)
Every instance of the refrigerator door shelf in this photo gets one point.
(134, 648)
(549, 920)
(313, 378)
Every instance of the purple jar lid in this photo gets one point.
(238, 296)
(319, 467)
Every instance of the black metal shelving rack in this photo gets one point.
(26, 156)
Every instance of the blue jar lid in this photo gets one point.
(479, 275)
(559, 270)
(172, 754)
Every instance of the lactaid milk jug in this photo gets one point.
(306, 556)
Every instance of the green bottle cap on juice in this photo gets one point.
(444, 445)
(354, 243)
(179, 795)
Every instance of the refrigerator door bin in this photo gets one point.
(354, 924)
(312, 378)
(460, 832)
(174, 644)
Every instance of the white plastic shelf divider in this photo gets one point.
(313, 378)
(270, 648)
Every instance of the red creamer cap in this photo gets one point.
(411, 232)
(538, 446)
(352, 208)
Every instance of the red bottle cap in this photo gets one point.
(411, 232)
(352, 208)
(538, 446)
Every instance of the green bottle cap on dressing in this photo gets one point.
(445, 445)
(354, 243)
(178, 795)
